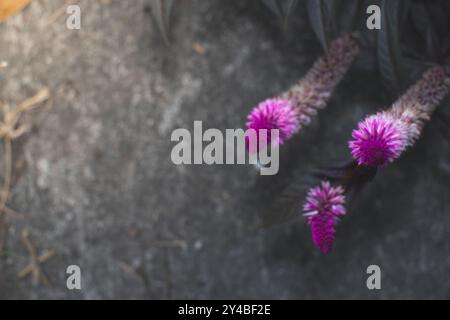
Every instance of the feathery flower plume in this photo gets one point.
(293, 109)
(324, 206)
(382, 138)
(274, 114)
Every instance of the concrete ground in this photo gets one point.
(93, 180)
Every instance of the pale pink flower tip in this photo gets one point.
(379, 140)
(323, 207)
(274, 114)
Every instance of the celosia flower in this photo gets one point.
(292, 110)
(323, 207)
(382, 138)
(274, 114)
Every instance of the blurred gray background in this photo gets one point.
(93, 180)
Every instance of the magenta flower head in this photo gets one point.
(273, 114)
(323, 207)
(293, 109)
(379, 140)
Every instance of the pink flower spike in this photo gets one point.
(379, 140)
(323, 207)
(273, 114)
